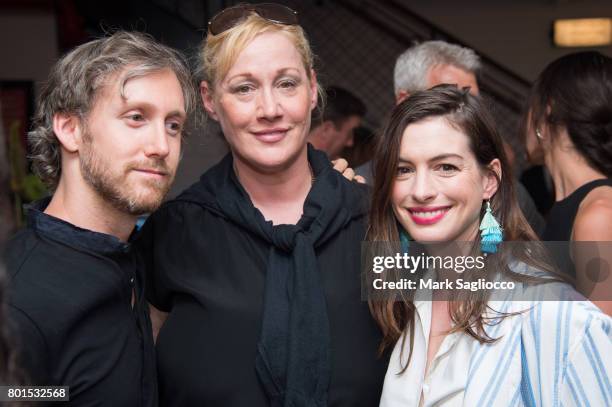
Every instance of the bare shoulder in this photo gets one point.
(594, 218)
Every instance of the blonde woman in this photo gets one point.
(257, 263)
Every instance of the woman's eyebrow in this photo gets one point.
(436, 158)
(446, 156)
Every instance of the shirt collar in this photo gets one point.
(71, 235)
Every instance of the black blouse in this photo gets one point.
(560, 223)
(209, 274)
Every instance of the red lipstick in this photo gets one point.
(427, 215)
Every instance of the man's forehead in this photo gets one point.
(120, 86)
(451, 74)
(112, 86)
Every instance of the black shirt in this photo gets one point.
(209, 273)
(70, 296)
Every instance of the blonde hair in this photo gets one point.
(219, 52)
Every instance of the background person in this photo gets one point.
(440, 163)
(333, 129)
(106, 140)
(569, 130)
(256, 263)
(432, 63)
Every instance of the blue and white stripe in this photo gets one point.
(553, 353)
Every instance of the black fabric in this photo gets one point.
(293, 351)
(538, 184)
(560, 221)
(263, 298)
(527, 205)
(70, 293)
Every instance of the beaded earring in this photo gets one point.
(491, 232)
(404, 239)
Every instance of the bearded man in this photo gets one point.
(106, 140)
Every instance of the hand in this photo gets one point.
(341, 165)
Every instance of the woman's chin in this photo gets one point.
(270, 159)
(432, 235)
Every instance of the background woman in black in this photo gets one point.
(569, 130)
(258, 263)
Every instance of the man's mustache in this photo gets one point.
(157, 165)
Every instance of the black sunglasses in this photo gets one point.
(232, 16)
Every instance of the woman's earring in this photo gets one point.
(404, 240)
(491, 232)
(539, 134)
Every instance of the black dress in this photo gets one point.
(560, 222)
(210, 274)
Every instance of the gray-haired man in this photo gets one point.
(106, 140)
(432, 63)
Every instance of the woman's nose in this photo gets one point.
(423, 188)
(268, 105)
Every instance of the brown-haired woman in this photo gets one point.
(569, 130)
(257, 262)
(439, 166)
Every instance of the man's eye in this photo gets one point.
(137, 117)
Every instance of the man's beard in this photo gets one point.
(114, 187)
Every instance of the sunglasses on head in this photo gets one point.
(232, 16)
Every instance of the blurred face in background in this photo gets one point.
(263, 103)
(333, 139)
(447, 74)
(450, 74)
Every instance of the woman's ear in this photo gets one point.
(491, 179)
(207, 99)
(314, 90)
(68, 130)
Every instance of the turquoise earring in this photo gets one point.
(404, 240)
(491, 233)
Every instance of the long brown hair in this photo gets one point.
(395, 314)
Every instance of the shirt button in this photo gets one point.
(425, 388)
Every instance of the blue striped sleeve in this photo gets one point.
(587, 376)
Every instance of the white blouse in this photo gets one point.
(556, 353)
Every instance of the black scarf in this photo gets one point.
(293, 353)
